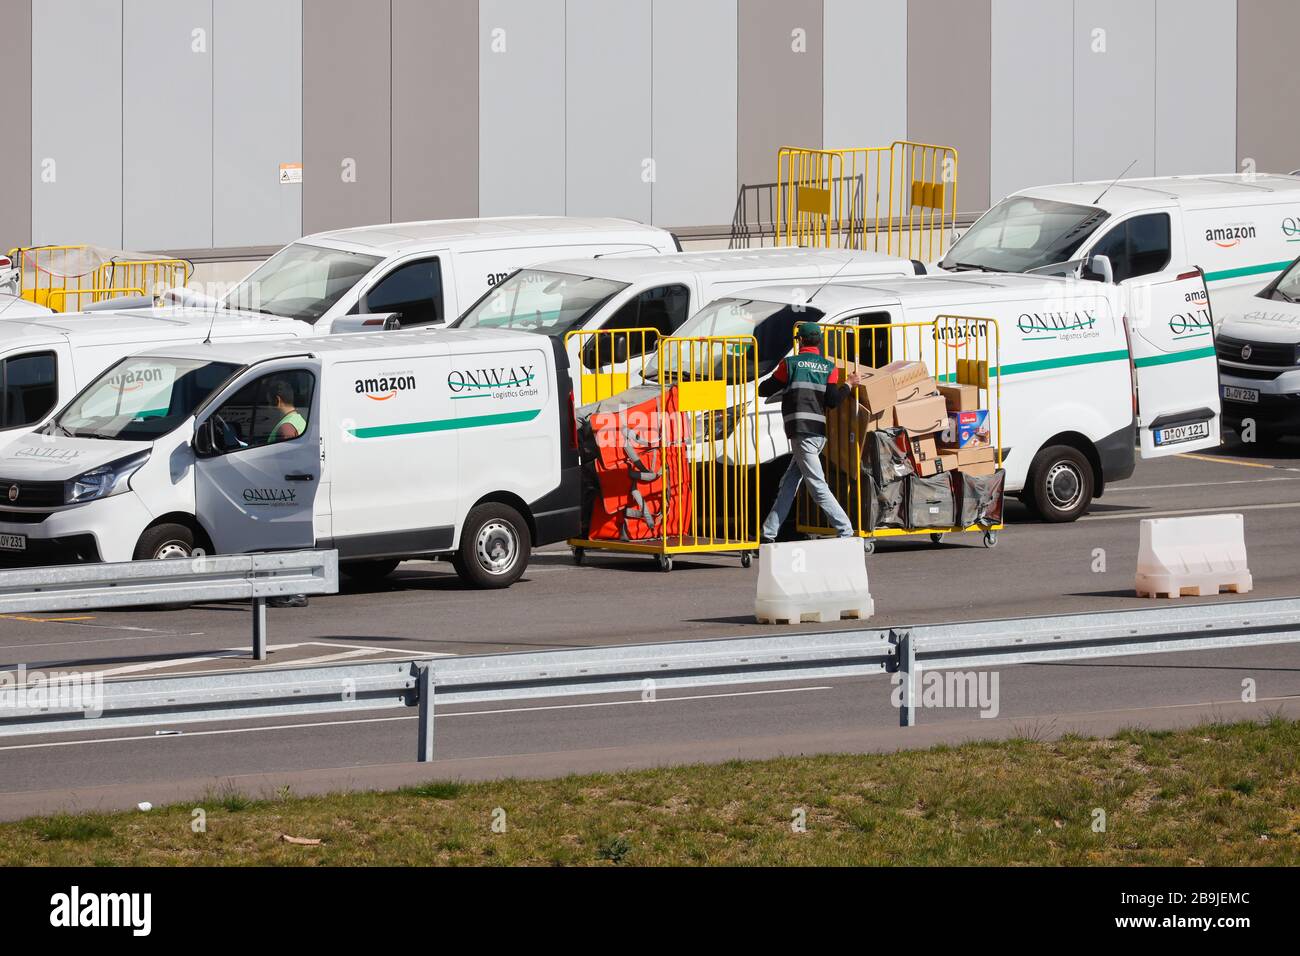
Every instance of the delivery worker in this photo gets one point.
(808, 383)
(291, 423)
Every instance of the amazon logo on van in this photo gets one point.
(1225, 237)
(1049, 325)
(136, 378)
(383, 388)
(957, 336)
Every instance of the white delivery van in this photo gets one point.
(654, 292)
(45, 360)
(384, 446)
(1080, 384)
(1258, 344)
(1240, 229)
(425, 272)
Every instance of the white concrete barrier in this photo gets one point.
(818, 581)
(1199, 555)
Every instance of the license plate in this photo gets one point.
(1234, 394)
(1181, 433)
(13, 542)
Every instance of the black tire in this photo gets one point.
(494, 547)
(165, 541)
(369, 571)
(1060, 485)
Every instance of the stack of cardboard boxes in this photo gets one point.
(940, 429)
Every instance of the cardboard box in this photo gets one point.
(924, 452)
(961, 398)
(959, 459)
(905, 373)
(966, 429)
(875, 391)
(980, 469)
(921, 389)
(921, 416)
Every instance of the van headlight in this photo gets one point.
(106, 480)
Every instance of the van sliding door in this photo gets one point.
(1171, 345)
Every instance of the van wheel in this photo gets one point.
(1060, 484)
(369, 571)
(494, 547)
(165, 541)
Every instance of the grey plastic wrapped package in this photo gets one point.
(889, 505)
(981, 498)
(889, 461)
(930, 502)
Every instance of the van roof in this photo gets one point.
(1194, 192)
(811, 262)
(361, 344)
(392, 237)
(116, 326)
(979, 287)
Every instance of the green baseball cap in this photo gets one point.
(810, 332)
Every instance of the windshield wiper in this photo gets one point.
(971, 266)
(1287, 296)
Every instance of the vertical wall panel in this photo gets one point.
(948, 87)
(1032, 105)
(1114, 88)
(1268, 85)
(607, 108)
(76, 157)
(166, 124)
(1196, 86)
(16, 144)
(780, 93)
(346, 133)
(865, 95)
(257, 120)
(694, 139)
(521, 107)
(435, 109)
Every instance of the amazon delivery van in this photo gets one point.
(655, 292)
(46, 359)
(1258, 344)
(1240, 229)
(404, 444)
(424, 272)
(1081, 384)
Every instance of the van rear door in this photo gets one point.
(1176, 376)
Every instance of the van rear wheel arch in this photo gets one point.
(511, 501)
(1069, 463)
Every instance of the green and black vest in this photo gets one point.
(803, 405)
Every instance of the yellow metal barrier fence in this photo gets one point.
(899, 199)
(50, 275)
(706, 491)
(960, 350)
(605, 362)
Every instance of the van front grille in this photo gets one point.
(31, 494)
(1243, 352)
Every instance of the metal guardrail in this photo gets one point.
(222, 577)
(636, 668)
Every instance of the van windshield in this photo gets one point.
(141, 398)
(771, 323)
(533, 300)
(1286, 287)
(301, 282)
(1023, 233)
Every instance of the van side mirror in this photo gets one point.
(203, 444)
(1098, 268)
(615, 343)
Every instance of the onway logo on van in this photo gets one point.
(512, 381)
(269, 497)
(385, 387)
(1040, 326)
(1190, 325)
(135, 378)
(1291, 228)
(1225, 237)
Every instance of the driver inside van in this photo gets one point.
(291, 423)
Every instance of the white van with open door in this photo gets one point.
(1087, 370)
(1239, 229)
(385, 446)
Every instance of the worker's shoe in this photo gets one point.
(287, 600)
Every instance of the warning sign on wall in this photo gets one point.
(290, 173)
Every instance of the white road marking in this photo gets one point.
(1196, 484)
(1222, 509)
(152, 735)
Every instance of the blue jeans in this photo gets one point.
(806, 465)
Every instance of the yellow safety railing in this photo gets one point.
(707, 444)
(605, 362)
(57, 299)
(899, 199)
(960, 350)
(51, 275)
